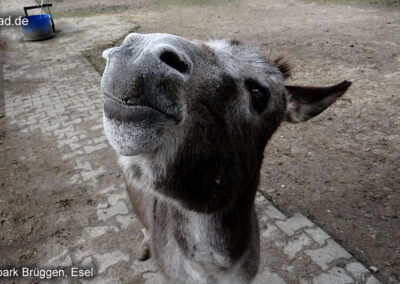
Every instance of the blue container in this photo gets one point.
(38, 27)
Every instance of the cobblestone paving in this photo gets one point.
(68, 110)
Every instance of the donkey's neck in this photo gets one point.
(217, 239)
(190, 238)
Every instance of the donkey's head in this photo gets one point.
(194, 117)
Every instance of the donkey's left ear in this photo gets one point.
(304, 103)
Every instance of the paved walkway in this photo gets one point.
(64, 105)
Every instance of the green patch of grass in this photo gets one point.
(189, 2)
(91, 11)
(94, 55)
(84, 12)
(392, 3)
(97, 63)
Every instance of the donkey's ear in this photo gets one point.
(304, 103)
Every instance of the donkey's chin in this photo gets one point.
(129, 139)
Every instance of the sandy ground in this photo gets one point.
(342, 169)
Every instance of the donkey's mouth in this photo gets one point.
(135, 114)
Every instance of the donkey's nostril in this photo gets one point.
(172, 59)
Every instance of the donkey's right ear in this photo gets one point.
(304, 103)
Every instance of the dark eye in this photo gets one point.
(259, 96)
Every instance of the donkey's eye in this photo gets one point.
(256, 93)
(259, 96)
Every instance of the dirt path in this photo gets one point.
(341, 169)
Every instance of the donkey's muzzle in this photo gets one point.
(144, 78)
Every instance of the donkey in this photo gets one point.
(189, 121)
